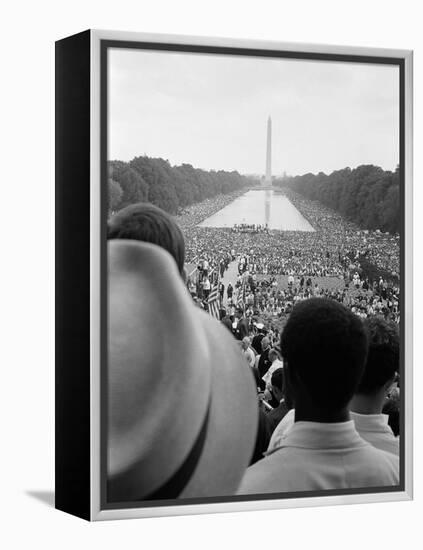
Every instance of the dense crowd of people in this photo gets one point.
(320, 338)
(250, 228)
(333, 248)
(278, 269)
(267, 301)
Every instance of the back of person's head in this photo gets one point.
(277, 380)
(148, 223)
(278, 384)
(324, 347)
(256, 344)
(382, 357)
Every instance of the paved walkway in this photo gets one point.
(230, 276)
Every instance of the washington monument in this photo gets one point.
(268, 177)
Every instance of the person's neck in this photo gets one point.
(306, 413)
(367, 404)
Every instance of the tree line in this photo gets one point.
(154, 180)
(366, 195)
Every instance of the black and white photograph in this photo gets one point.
(255, 211)
(211, 275)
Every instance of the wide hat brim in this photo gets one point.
(182, 407)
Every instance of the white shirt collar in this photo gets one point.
(371, 422)
(322, 435)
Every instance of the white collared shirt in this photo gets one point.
(321, 456)
(373, 428)
(277, 364)
(281, 430)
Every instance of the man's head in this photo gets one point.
(245, 343)
(324, 347)
(382, 358)
(278, 384)
(265, 343)
(148, 223)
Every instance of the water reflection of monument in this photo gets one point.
(267, 182)
(267, 206)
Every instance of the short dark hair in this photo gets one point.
(324, 346)
(277, 379)
(383, 355)
(256, 344)
(148, 223)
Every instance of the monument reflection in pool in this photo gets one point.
(260, 206)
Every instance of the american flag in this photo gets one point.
(241, 296)
(213, 302)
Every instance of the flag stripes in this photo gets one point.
(241, 296)
(213, 302)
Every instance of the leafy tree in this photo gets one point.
(134, 188)
(170, 187)
(367, 195)
(115, 195)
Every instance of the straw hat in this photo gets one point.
(182, 411)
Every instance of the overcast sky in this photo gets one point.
(211, 111)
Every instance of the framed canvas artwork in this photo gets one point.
(233, 275)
